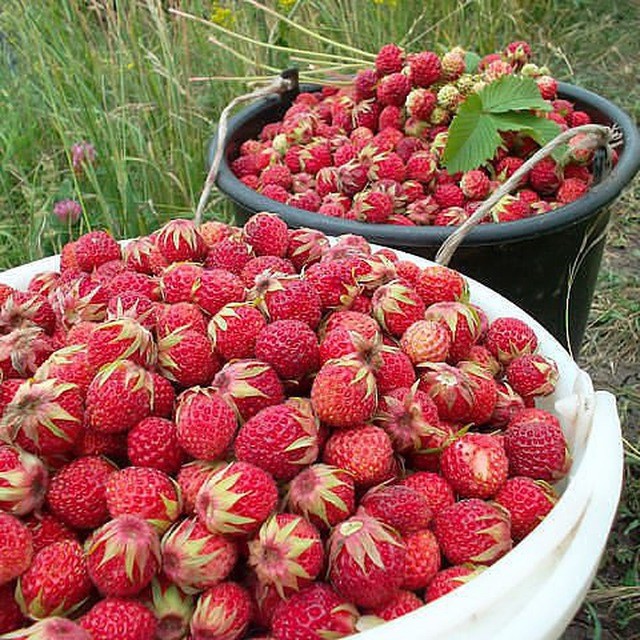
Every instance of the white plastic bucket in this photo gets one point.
(535, 590)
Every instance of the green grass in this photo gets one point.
(72, 70)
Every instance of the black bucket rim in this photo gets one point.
(417, 236)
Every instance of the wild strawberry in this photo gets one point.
(23, 481)
(372, 206)
(215, 288)
(451, 578)
(396, 307)
(393, 89)
(448, 195)
(395, 370)
(212, 231)
(16, 548)
(536, 446)
(96, 443)
(142, 255)
(172, 609)
(473, 531)
(426, 341)
(153, 442)
(290, 347)
(481, 356)
(475, 465)
(94, 249)
(267, 234)
(401, 603)
(229, 254)
(277, 174)
(264, 266)
(181, 315)
(194, 558)
(286, 552)
(187, 358)
(54, 628)
(441, 284)
(344, 393)
(423, 559)
(11, 617)
(23, 350)
(44, 417)
(135, 307)
(528, 502)
(510, 208)
(234, 329)
(56, 583)
(179, 280)
(420, 103)
(180, 241)
(352, 177)
(249, 386)
(5, 292)
(122, 556)
(237, 499)
(572, 189)
(46, 529)
(341, 342)
(532, 375)
(121, 339)
(450, 389)
(146, 493)
(508, 404)
(402, 508)
(164, 396)
(410, 417)
(364, 451)
(508, 338)
(205, 424)
(274, 192)
(389, 59)
(545, 177)
(366, 560)
(120, 395)
(425, 68)
(77, 492)
(323, 494)
(433, 487)
(121, 618)
(132, 282)
(365, 81)
(280, 439)
(191, 477)
(222, 612)
(578, 118)
(23, 309)
(475, 185)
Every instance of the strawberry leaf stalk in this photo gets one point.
(172, 609)
(23, 481)
(287, 553)
(366, 560)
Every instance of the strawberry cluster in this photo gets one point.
(373, 151)
(218, 432)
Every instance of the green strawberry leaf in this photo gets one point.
(511, 93)
(471, 61)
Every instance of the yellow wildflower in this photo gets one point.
(390, 3)
(221, 15)
(285, 5)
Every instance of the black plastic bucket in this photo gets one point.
(548, 264)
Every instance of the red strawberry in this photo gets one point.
(233, 330)
(545, 177)
(451, 578)
(205, 424)
(508, 404)
(54, 628)
(450, 388)
(119, 397)
(323, 494)
(463, 322)
(119, 618)
(532, 375)
(334, 282)
(194, 558)
(267, 234)
(344, 393)
(473, 531)
(56, 583)
(172, 609)
(427, 341)
(77, 492)
(191, 477)
(24, 309)
(422, 561)
(475, 184)
(142, 255)
(433, 487)
(306, 246)
(122, 556)
(287, 553)
(354, 321)
(187, 358)
(366, 560)
(146, 493)
(83, 299)
(389, 59)
(508, 338)
(181, 314)
(280, 439)
(180, 241)
(11, 617)
(237, 499)
(480, 355)
(96, 443)
(536, 446)
(179, 281)
(425, 68)
(44, 417)
(441, 284)
(222, 612)
(485, 392)
(23, 481)
(265, 265)
(372, 206)
(249, 386)
(47, 529)
(396, 307)
(230, 254)
(402, 508)
(394, 371)
(16, 548)
(94, 249)
(5, 292)
(278, 175)
(134, 307)
(475, 465)
(393, 89)
(216, 288)
(402, 602)
(315, 613)
(363, 451)
(290, 347)
(153, 442)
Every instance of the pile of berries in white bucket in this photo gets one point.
(228, 433)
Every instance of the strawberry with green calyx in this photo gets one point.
(396, 307)
(44, 417)
(401, 507)
(233, 330)
(236, 500)
(191, 477)
(532, 375)
(508, 338)
(82, 299)
(323, 494)
(194, 558)
(287, 552)
(267, 234)
(180, 240)
(54, 628)
(450, 389)
(306, 246)
(69, 364)
(222, 612)
(181, 314)
(451, 578)
(179, 280)
(463, 323)
(354, 321)
(122, 556)
(119, 618)
(25, 309)
(172, 609)
(366, 560)
(23, 481)
(395, 370)
(16, 547)
(508, 404)
(120, 395)
(485, 392)
(23, 350)
(335, 283)
(56, 583)
(215, 288)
